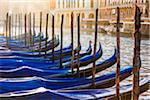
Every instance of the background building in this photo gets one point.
(127, 11)
(86, 9)
(107, 13)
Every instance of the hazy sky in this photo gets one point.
(24, 0)
(22, 6)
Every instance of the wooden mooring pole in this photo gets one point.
(94, 55)
(21, 26)
(118, 55)
(7, 37)
(136, 58)
(78, 50)
(16, 27)
(9, 30)
(19, 35)
(46, 41)
(25, 30)
(30, 31)
(33, 29)
(72, 43)
(61, 46)
(40, 32)
(12, 32)
(53, 37)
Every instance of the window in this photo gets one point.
(74, 3)
(58, 18)
(67, 1)
(91, 16)
(143, 1)
(83, 15)
(78, 3)
(83, 3)
(71, 3)
(63, 4)
(67, 20)
(92, 3)
(58, 3)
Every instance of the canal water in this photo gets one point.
(108, 43)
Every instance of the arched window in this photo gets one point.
(74, 3)
(78, 3)
(83, 15)
(146, 13)
(91, 16)
(92, 3)
(58, 3)
(83, 3)
(58, 18)
(67, 20)
(63, 4)
(67, 2)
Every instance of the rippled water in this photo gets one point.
(108, 43)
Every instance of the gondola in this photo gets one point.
(11, 69)
(14, 45)
(13, 63)
(85, 94)
(65, 58)
(100, 66)
(65, 51)
(101, 81)
(19, 43)
(21, 38)
(84, 71)
(8, 52)
(49, 46)
(36, 48)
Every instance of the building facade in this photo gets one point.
(86, 9)
(107, 13)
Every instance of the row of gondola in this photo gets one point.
(30, 75)
(17, 46)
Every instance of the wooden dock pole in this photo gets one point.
(12, 32)
(9, 31)
(21, 26)
(79, 44)
(40, 32)
(33, 29)
(136, 58)
(61, 46)
(94, 55)
(72, 43)
(30, 31)
(53, 37)
(118, 55)
(7, 43)
(16, 27)
(46, 41)
(25, 30)
(19, 35)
